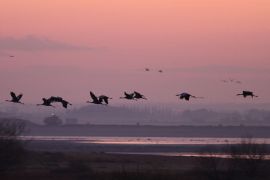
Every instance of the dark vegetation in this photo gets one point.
(53, 121)
(246, 160)
(98, 166)
(11, 149)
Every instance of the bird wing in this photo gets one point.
(55, 99)
(64, 103)
(19, 97)
(44, 100)
(13, 95)
(190, 95)
(93, 96)
(185, 94)
(137, 94)
(104, 98)
(128, 95)
(238, 82)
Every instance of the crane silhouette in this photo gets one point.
(128, 96)
(98, 100)
(46, 102)
(247, 93)
(138, 95)
(186, 96)
(238, 82)
(224, 81)
(65, 103)
(104, 99)
(147, 69)
(60, 100)
(231, 80)
(15, 98)
(53, 99)
(94, 98)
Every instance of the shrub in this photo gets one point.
(53, 121)
(11, 148)
(247, 157)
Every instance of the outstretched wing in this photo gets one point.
(185, 96)
(44, 100)
(128, 95)
(94, 97)
(137, 93)
(104, 98)
(55, 99)
(19, 97)
(13, 95)
(65, 103)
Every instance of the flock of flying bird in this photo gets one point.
(104, 100)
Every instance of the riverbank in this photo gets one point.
(103, 166)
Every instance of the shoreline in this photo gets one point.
(149, 131)
(169, 149)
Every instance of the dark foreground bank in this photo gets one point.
(102, 166)
(18, 160)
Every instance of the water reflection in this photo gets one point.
(185, 154)
(145, 140)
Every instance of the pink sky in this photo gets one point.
(197, 43)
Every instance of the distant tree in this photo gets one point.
(71, 121)
(53, 121)
(11, 148)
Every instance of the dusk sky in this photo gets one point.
(68, 47)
